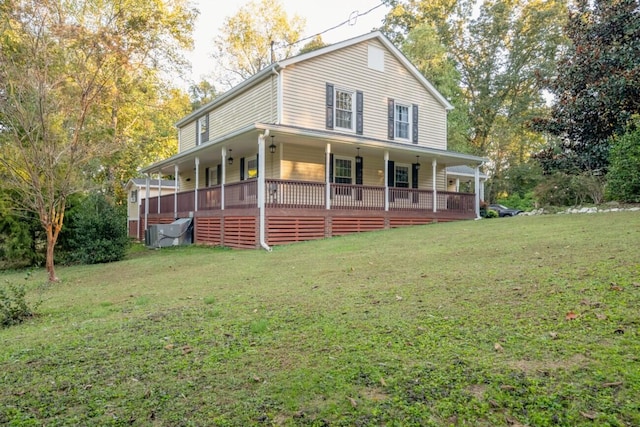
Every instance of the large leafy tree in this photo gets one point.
(597, 85)
(500, 49)
(67, 69)
(258, 34)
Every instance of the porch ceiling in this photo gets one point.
(244, 143)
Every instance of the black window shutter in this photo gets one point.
(391, 117)
(329, 99)
(330, 167)
(219, 175)
(242, 169)
(206, 134)
(206, 177)
(359, 170)
(415, 123)
(391, 179)
(359, 112)
(391, 172)
(414, 175)
(257, 164)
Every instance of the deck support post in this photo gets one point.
(386, 181)
(261, 190)
(175, 193)
(477, 188)
(434, 165)
(327, 177)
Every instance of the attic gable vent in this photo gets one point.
(376, 59)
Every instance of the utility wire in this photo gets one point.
(353, 17)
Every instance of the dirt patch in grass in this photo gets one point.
(531, 367)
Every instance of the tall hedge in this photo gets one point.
(623, 178)
(95, 231)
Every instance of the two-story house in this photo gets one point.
(347, 138)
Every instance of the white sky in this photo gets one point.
(319, 14)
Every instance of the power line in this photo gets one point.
(353, 17)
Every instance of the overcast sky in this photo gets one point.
(319, 14)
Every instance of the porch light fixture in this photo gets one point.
(358, 158)
(417, 162)
(272, 147)
(230, 160)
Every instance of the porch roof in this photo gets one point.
(245, 140)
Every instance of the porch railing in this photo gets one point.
(289, 194)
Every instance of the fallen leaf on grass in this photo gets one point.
(571, 316)
(186, 349)
(398, 297)
(383, 382)
(353, 401)
(507, 387)
(553, 335)
(257, 378)
(613, 384)
(589, 415)
(615, 287)
(168, 347)
(601, 316)
(498, 347)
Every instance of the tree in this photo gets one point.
(596, 85)
(66, 69)
(501, 49)
(257, 35)
(313, 44)
(201, 93)
(623, 178)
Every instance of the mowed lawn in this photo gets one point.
(526, 321)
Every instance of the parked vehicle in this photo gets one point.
(503, 210)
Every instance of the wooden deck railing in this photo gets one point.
(289, 194)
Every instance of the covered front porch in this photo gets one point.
(274, 185)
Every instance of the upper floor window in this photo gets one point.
(133, 196)
(403, 121)
(203, 130)
(344, 109)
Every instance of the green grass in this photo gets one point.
(461, 324)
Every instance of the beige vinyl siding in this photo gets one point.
(187, 137)
(302, 163)
(304, 102)
(257, 105)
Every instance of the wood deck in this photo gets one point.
(297, 211)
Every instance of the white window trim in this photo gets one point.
(353, 167)
(395, 121)
(248, 160)
(409, 177)
(353, 108)
(201, 120)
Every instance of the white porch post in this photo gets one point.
(482, 189)
(327, 178)
(434, 165)
(457, 185)
(195, 204)
(224, 177)
(386, 181)
(477, 188)
(261, 190)
(175, 193)
(146, 202)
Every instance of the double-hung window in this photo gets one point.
(402, 121)
(203, 130)
(344, 109)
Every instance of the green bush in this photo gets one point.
(13, 306)
(490, 213)
(623, 178)
(562, 189)
(95, 232)
(514, 201)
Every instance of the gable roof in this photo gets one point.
(280, 65)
